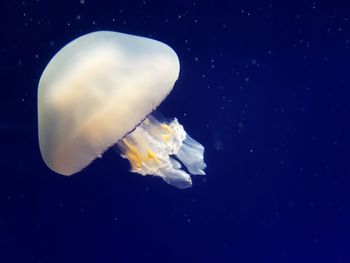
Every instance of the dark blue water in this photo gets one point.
(264, 86)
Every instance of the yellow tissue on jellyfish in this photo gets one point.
(100, 90)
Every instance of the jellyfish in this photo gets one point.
(99, 91)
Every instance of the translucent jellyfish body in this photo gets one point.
(99, 90)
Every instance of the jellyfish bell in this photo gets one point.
(99, 90)
(95, 90)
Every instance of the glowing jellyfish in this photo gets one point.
(99, 90)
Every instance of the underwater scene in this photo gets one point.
(174, 131)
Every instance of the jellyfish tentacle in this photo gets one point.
(191, 155)
(153, 146)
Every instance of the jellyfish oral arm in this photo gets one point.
(158, 148)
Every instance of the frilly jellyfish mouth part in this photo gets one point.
(153, 146)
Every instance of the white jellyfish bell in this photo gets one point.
(100, 90)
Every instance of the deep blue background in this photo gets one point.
(264, 85)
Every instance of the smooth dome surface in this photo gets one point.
(95, 90)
